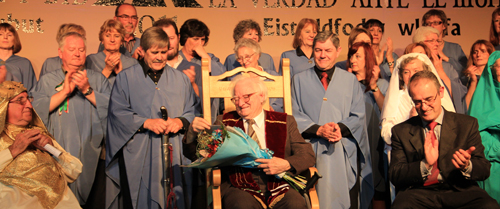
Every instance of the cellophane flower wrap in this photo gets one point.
(228, 146)
(231, 146)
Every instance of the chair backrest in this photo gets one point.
(218, 87)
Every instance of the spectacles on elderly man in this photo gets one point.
(22, 100)
(245, 58)
(128, 17)
(245, 98)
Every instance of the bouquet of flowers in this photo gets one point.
(231, 146)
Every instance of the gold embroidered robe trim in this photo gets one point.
(34, 171)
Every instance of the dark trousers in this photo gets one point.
(437, 197)
(234, 198)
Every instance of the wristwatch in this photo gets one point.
(375, 89)
(88, 92)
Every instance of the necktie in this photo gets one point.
(324, 76)
(251, 132)
(433, 177)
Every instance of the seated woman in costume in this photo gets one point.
(301, 57)
(55, 63)
(363, 64)
(448, 51)
(398, 105)
(430, 37)
(110, 61)
(30, 177)
(478, 58)
(385, 59)
(484, 106)
(19, 68)
(251, 30)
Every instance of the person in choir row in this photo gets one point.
(55, 63)
(251, 30)
(110, 61)
(385, 59)
(19, 68)
(194, 36)
(330, 110)
(301, 57)
(448, 51)
(478, 58)
(30, 177)
(135, 126)
(363, 63)
(430, 37)
(127, 15)
(398, 106)
(258, 188)
(358, 34)
(437, 156)
(495, 29)
(73, 103)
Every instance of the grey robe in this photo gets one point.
(134, 99)
(343, 102)
(21, 70)
(96, 62)
(80, 131)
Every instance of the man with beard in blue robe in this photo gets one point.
(135, 125)
(73, 105)
(329, 106)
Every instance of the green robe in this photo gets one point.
(484, 106)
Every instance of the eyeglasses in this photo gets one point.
(431, 41)
(245, 58)
(128, 17)
(427, 101)
(22, 100)
(245, 98)
(434, 23)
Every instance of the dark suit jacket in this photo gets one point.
(457, 132)
(298, 152)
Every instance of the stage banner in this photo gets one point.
(37, 21)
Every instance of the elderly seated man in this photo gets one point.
(273, 130)
(29, 176)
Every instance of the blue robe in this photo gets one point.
(199, 99)
(134, 99)
(50, 64)
(343, 102)
(297, 63)
(96, 62)
(21, 70)
(458, 90)
(373, 130)
(457, 56)
(217, 67)
(123, 49)
(265, 60)
(80, 131)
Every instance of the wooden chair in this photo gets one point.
(217, 87)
